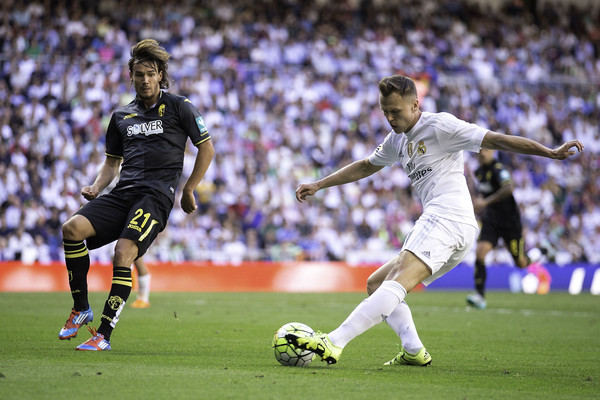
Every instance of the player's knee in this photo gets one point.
(77, 228)
(372, 284)
(70, 231)
(125, 253)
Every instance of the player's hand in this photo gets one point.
(479, 204)
(306, 189)
(567, 150)
(188, 202)
(89, 193)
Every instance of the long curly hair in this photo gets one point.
(151, 52)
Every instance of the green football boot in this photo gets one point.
(318, 343)
(421, 359)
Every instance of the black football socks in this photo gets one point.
(77, 260)
(119, 293)
(480, 277)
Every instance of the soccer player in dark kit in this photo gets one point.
(500, 218)
(147, 140)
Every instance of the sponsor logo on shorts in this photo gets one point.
(134, 226)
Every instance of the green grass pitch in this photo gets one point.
(218, 346)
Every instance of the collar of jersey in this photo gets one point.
(413, 131)
(141, 103)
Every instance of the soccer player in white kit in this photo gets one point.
(429, 146)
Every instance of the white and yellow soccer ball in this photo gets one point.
(287, 354)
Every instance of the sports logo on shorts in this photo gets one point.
(115, 302)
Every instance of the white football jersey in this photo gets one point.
(431, 154)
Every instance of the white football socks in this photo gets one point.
(369, 313)
(144, 287)
(401, 322)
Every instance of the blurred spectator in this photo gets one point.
(286, 88)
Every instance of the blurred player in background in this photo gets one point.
(500, 218)
(429, 146)
(143, 282)
(147, 139)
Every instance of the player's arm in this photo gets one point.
(504, 192)
(108, 172)
(517, 144)
(206, 152)
(350, 173)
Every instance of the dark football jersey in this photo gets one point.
(505, 212)
(152, 141)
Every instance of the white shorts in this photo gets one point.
(440, 243)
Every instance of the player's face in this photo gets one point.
(402, 112)
(146, 81)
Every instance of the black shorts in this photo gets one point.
(139, 215)
(512, 236)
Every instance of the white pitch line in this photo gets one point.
(505, 311)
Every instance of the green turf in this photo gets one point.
(217, 346)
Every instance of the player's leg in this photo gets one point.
(442, 242)
(98, 222)
(143, 281)
(482, 250)
(487, 240)
(477, 299)
(146, 218)
(404, 273)
(448, 246)
(406, 270)
(412, 351)
(400, 320)
(126, 251)
(77, 260)
(516, 247)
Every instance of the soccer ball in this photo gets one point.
(287, 354)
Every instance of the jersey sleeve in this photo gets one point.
(502, 174)
(193, 123)
(385, 153)
(114, 142)
(455, 134)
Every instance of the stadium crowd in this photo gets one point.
(288, 90)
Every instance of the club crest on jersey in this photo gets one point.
(161, 110)
(147, 128)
